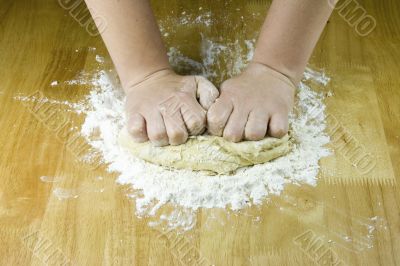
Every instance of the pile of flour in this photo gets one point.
(154, 186)
(189, 190)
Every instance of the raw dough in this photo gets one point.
(212, 154)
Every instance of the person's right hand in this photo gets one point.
(165, 107)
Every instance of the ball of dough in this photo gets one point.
(211, 154)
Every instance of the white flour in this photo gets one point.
(231, 57)
(157, 186)
(189, 191)
(67, 105)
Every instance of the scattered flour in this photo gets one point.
(185, 19)
(231, 56)
(99, 59)
(189, 19)
(48, 179)
(319, 77)
(189, 191)
(155, 187)
(62, 194)
(41, 99)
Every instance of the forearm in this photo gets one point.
(132, 38)
(290, 33)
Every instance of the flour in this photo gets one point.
(188, 19)
(189, 191)
(155, 187)
(62, 194)
(230, 56)
(48, 179)
(99, 59)
(54, 83)
(42, 99)
(185, 20)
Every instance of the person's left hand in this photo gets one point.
(251, 105)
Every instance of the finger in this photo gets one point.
(194, 116)
(137, 128)
(256, 127)
(206, 92)
(218, 115)
(176, 129)
(156, 129)
(278, 125)
(234, 129)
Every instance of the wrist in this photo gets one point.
(261, 68)
(292, 72)
(140, 78)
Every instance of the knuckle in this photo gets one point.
(215, 120)
(135, 128)
(232, 135)
(251, 135)
(278, 130)
(137, 131)
(196, 124)
(198, 118)
(159, 136)
(232, 138)
(196, 129)
(177, 137)
(214, 132)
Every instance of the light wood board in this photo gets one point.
(352, 216)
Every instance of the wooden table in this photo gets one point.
(351, 217)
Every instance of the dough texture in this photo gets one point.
(211, 154)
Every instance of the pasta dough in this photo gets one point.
(211, 154)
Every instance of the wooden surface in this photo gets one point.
(351, 217)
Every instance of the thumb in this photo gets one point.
(206, 92)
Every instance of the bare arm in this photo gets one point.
(290, 33)
(257, 102)
(132, 38)
(161, 106)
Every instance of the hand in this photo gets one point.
(165, 107)
(255, 103)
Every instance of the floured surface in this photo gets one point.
(187, 191)
(157, 186)
(209, 154)
(342, 223)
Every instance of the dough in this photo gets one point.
(211, 154)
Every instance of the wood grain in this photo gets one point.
(357, 210)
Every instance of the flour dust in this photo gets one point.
(172, 198)
(190, 191)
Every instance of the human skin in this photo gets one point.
(251, 105)
(161, 106)
(258, 101)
